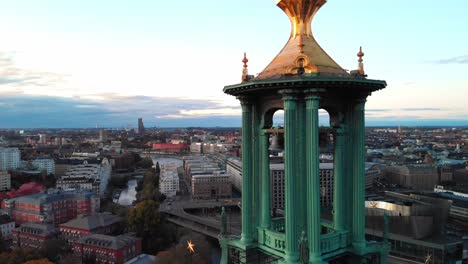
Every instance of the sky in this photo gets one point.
(86, 63)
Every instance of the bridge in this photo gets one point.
(203, 216)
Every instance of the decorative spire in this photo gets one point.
(361, 65)
(245, 60)
(245, 70)
(301, 45)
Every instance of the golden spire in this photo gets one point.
(361, 65)
(301, 48)
(245, 70)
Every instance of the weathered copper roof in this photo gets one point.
(302, 53)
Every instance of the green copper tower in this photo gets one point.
(301, 80)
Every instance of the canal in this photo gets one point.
(128, 195)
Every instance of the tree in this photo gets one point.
(180, 254)
(53, 249)
(144, 218)
(39, 261)
(3, 245)
(145, 221)
(19, 256)
(145, 163)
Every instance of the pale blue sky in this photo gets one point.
(102, 55)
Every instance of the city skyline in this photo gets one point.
(109, 63)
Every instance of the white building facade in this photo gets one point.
(169, 180)
(94, 177)
(45, 164)
(10, 158)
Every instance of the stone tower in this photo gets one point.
(300, 80)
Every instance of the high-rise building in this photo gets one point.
(9, 158)
(141, 127)
(300, 80)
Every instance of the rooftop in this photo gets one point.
(110, 242)
(91, 222)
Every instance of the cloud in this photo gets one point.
(454, 60)
(13, 76)
(110, 111)
(421, 109)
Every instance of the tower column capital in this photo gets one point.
(246, 102)
(289, 94)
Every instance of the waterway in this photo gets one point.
(128, 195)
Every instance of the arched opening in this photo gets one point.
(276, 165)
(327, 147)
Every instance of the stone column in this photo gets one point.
(339, 207)
(359, 240)
(265, 180)
(313, 177)
(247, 170)
(290, 101)
(301, 164)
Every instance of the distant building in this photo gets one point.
(459, 208)
(9, 158)
(6, 226)
(374, 172)
(93, 177)
(278, 182)
(46, 164)
(103, 135)
(42, 139)
(169, 180)
(83, 225)
(196, 147)
(25, 189)
(107, 249)
(170, 148)
(422, 177)
(416, 228)
(216, 185)
(54, 206)
(33, 235)
(5, 180)
(234, 168)
(141, 127)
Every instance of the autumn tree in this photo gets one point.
(180, 253)
(39, 261)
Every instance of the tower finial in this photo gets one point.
(245, 70)
(361, 65)
(245, 60)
